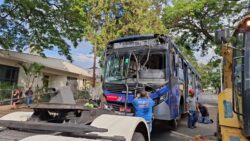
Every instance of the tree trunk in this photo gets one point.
(94, 67)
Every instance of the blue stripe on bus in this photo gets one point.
(160, 92)
(121, 96)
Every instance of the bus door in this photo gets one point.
(182, 85)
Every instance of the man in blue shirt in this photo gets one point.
(143, 107)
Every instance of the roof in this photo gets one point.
(52, 63)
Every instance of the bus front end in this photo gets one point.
(137, 63)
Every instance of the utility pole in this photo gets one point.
(94, 66)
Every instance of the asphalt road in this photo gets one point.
(182, 133)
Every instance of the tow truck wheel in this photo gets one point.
(138, 137)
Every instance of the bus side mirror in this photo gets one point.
(222, 36)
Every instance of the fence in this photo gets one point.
(5, 94)
(41, 95)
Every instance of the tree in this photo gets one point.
(195, 21)
(107, 20)
(32, 71)
(110, 19)
(210, 74)
(41, 24)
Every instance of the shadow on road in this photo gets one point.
(162, 132)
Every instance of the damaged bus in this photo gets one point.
(152, 63)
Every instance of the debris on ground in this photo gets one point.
(201, 138)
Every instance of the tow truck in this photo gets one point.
(62, 119)
(234, 101)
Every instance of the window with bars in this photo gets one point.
(8, 74)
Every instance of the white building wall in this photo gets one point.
(38, 82)
(8, 62)
(80, 84)
(57, 81)
(57, 78)
(21, 78)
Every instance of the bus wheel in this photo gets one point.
(173, 124)
(138, 137)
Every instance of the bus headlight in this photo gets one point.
(248, 22)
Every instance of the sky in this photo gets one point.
(82, 54)
(205, 59)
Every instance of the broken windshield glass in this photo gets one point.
(116, 68)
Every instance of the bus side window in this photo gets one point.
(194, 81)
(190, 79)
(181, 70)
(173, 66)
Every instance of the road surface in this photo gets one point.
(185, 134)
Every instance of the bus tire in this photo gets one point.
(138, 137)
(173, 124)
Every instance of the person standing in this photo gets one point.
(29, 94)
(192, 108)
(15, 98)
(143, 106)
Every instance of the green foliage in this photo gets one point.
(210, 74)
(187, 52)
(32, 71)
(5, 90)
(107, 20)
(40, 24)
(32, 68)
(195, 21)
(82, 95)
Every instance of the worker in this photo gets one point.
(192, 107)
(143, 106)
(204, 118)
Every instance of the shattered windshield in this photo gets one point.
(116, 68)
(150, 66)
(140, 66)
